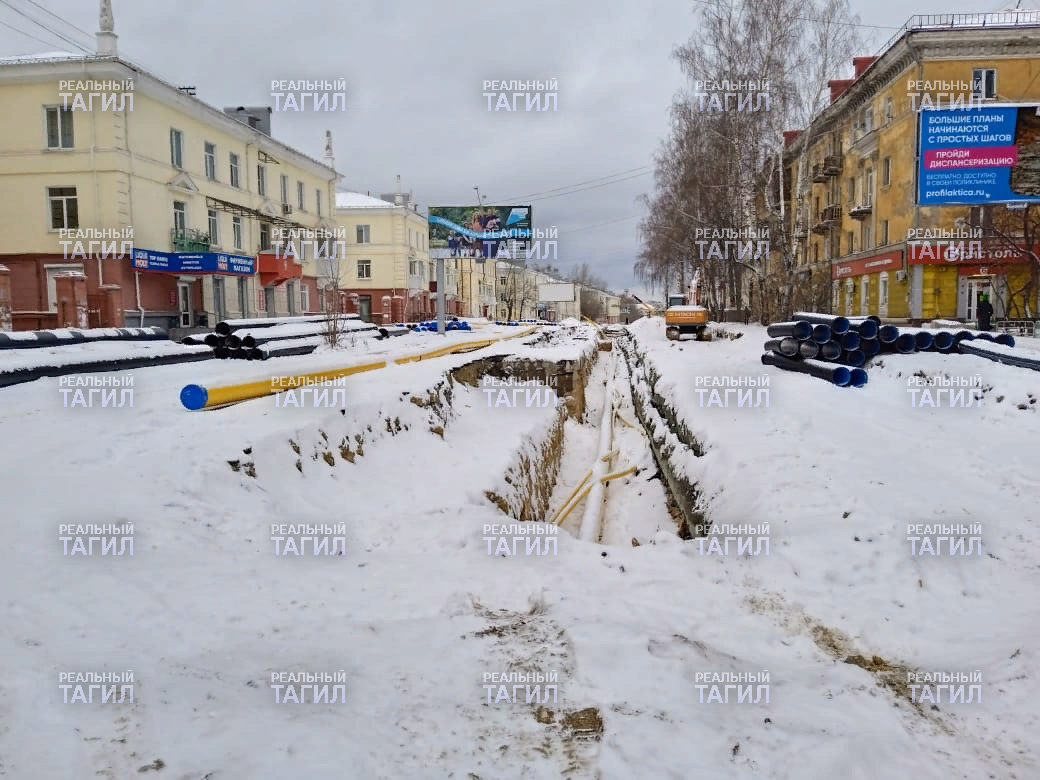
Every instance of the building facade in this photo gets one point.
(854, 215)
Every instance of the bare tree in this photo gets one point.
(520, 291)
(328, 262)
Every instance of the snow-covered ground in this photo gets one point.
(416, 612)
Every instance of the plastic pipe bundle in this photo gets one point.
(871, 347)
(821, 334)
(286, 347)
(837, 323)
(227, 326)
(788, 347)
(808, 349)
(997, 354)
(853, 357)
(62, 337)
(904, 343)
(838, 375)
(887, 334)
(867, 329)
(830, 351)
(849, 340)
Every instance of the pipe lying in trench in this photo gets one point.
(836, 322)
(838, 375)
(787, 347)
(821, 334)
(849, 340)
(997, 353)
(593, 518)
(800, 330)
(867, 329)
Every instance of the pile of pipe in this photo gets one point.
(812, 343)
(430, 326)
(268, 337)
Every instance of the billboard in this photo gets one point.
(193, 262)
(985, 154)
(476, 231)
(555, 293)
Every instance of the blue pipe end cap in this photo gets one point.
(194, 397)
(858, 377)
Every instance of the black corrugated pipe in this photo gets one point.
(838, 375)
(853, 357)
(821, 334)
(904, 344)
(872, 317)
(233, 341)
(227, 326)
(850, 340)
(222, 352)
(256, 354)
(887, 334)
(800, 330)
(808, 349)
(867, 329)
(788, 347)
(214, 340)
(858, 377)
(869, 347)
(836, 322)
(830, 351)
(982, 350)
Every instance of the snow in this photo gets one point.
(416, 612)
(47, 56)
(73, 353)
(355, 200)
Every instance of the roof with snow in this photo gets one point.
(45, 57)
(355, 200)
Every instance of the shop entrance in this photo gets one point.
(977, 287)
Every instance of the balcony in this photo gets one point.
(832, 213)
(191, 241)
(416, 282)
(801, 232)
(832, 165)
(861, 210)
(817, 173)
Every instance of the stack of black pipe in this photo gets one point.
(260, 339)
(810, 345)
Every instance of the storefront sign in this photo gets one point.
(887, 261)
(193, 262)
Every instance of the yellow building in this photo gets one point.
(188, 201)
(854, 173)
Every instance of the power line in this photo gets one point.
(591, 187)
(600, 224)
(40, 24)
(60, 19)
(27, 35)
(577, 184)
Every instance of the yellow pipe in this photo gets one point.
(573, 492)
(196, 397)
(618, 474)
(577, 501)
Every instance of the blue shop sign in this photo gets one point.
(193, 262)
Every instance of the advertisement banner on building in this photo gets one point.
(985, 154)
(476, 231)
(988, 252)
(887, 261)
(193, 262)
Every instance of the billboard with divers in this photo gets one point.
(476, 231)
(985, 154)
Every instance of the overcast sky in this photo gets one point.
(415, 72)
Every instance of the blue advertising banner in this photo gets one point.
(193, 262)
(985, 154)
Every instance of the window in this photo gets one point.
(285, 188)
(864, 295)
(290, 297)
(984, 82)
(265, 236)
(299, 196)
(210, 160)
(59, 128)
(980, 217)
(852, 190)
(180, 217)
(176, 148)
(886, 172)
(243, 296)
(883, 289)
(502, 280)
(884, 232)
(850, 238)
(415, 268)
(234, 171)
(362, 234)
(816, 209)
(888, 110)
(868, 187)
(868, 119)
(64, 208)
(214, 228)
(410, 237)
(835, 295)
(364, 269)
(867, 236)
(317, 201)
(236, 231)
(219, 299)
(261, 180)
(816, 253)
(305, 298)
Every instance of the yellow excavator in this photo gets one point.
(685, 316)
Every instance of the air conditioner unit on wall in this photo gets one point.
(901, 276)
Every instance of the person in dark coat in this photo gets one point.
(985, 312)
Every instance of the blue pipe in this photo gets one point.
(867, 329)
(869, 347)
(858, 377)
(853, 357)
(800, 330)
(887, 334)
(830, 351)
(837, 323)
(821, 334)
(850, 340)
(838, 375)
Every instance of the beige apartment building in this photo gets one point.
(387, 260)
(144, 186)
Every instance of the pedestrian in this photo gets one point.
(985, 312)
